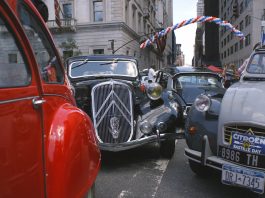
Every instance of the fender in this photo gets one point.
(72, 153)
(206, 124)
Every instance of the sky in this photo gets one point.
(183, 10)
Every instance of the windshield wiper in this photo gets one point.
(111, 62)
(82, 63)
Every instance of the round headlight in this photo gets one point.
(145, 127)
(202, 103)
(154, 91)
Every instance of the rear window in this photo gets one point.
(197, 80)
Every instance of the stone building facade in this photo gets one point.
(247, 19)
(112, 26)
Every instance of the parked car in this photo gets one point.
(108, 89)
(227, 132)
(189, 82)
(47, 145)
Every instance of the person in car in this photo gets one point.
(151, 74)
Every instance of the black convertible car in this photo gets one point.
(125, 113)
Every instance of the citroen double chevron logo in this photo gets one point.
(113, 110)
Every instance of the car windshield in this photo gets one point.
(103, 68)
(189, 80)
(257, 64)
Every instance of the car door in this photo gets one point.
(21, 142)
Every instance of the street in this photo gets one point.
(140, 173)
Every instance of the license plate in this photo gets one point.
(244, 158)
(239, 176)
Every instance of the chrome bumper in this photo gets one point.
(206, 157)
(139, 142)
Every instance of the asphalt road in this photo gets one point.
(141, 173)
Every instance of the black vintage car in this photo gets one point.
(189, 82)
(125, 114)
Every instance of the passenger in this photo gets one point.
(151, 74)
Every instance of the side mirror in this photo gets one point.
(42, 8)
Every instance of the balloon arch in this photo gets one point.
(199, 19)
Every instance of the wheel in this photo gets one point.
(91, 193)
(167, 148)
(198, 169)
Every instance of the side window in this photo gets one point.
(49, 66)
(13, 71)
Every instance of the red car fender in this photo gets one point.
(72, 154)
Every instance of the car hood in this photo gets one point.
(189, 94)
(244, 102)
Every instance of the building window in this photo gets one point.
(241, 44)
(225, 54)
(126, 12)
(247, 40)
(224, 41)
(247, 20)
(241, 25)
(67, 10)
(12, 58)
(222, 44)
(144, 26)
(232, 49)
(241, 8)
(98, 11)
(236, 47)
(98, 51)
(228, 52)
(139, 22)
(246, 3)
(133, 17)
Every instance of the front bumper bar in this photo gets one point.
(139, 142)
(206, 157)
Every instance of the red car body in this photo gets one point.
(47, 144)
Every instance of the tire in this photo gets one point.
(167, 149)
(91, 193)
(198, 169)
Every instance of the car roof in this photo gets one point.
(174, 70)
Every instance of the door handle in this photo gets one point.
(37, 102)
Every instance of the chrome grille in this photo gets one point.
(242, 129)
(112, 112)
